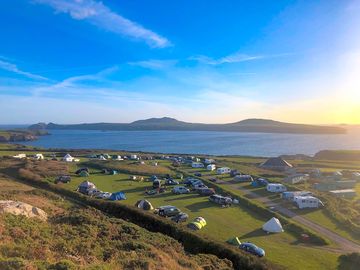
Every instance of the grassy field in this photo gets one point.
(223, 223)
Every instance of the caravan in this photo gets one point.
(278, 188)
(307, 202)
(223, 170)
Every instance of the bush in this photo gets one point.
(62, 265)
(12, 264)
(349, 261)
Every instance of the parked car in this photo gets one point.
(171, 182)
(180, 190)
(199, 186)
(168, 211)
(252, 248)
(189, 180)
(206, 191)
(63, 179)
(197, 174)
(226, 201)
(181, 217)
(194, 183)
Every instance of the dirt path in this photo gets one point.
(344, 244)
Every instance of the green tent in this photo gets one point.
(234, 241)
(84, 174)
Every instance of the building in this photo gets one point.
(223, 170)
(68, 158)
(343, 193)
(38, 156)
(20, 156)
(307, 202)
(276, 163)
(211, 167)
(296, 178)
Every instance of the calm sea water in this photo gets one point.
(201, 142)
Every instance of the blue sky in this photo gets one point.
(70, 61)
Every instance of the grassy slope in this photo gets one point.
(85, 237)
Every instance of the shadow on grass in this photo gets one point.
(136, 189)
(196, 207)
(254, 233)
(192, 196)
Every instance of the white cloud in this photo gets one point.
(233, 58)
(13, 68)
(154, 64)
(103, 17)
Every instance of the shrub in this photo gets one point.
(12, 264)
(349, 261)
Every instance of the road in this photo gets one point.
(344, 244)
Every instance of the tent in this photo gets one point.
(197, 224)
(113, 172)
(144, 204)
(273, 226)
(234, 241)
(68, 158)
(84, 174)
(117, 196)
(85, 186)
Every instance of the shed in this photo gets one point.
(343, 193)
(296, 178)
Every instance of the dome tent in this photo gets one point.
(273, 226)
(144, 204)
(117, 196)
(197, 224)
(85, 186)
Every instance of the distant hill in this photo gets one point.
(167, 123)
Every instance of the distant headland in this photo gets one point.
(167, 123)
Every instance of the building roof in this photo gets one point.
(276, 162)
(339, 191)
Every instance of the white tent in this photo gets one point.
(273, 226)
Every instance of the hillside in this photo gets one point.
(79, 237)
(20, 135)
(166, 123)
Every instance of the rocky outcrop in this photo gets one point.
(20, 208)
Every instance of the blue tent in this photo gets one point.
(117, 196)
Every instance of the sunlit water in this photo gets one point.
(201, 142)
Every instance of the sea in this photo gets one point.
(201, 142)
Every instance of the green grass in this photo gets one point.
(223, 223)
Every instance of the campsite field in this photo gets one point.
(223, 223)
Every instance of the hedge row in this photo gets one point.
(191, 241)
(293, 228)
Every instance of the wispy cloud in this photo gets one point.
(103, 17)
(154, 64)
(13, 68)
(233, 58)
